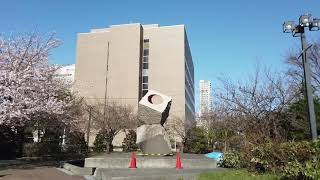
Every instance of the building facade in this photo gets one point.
(122, 62)
(205, 97)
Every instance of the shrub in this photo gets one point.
(129, 142)
(41, 149)
(8, 143)
(294, 160)
(30, 150)
(102, 142)
(232, 160)
(258, 158)
(49, 148)
(50, 144)
(305, 164)
(76, 144)
(196, 141)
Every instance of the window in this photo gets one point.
(144, 86)
(145, 72)
(146, 52)
(145, 66)
(145, 79)
(146, 45)
(145, 59)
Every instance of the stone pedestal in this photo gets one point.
(153, 139)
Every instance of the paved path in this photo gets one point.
(39, 173)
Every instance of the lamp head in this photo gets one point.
(305, 20)
(315, 25)
(288, 26)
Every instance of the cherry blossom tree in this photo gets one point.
(27, 83)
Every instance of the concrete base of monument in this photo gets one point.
(122, 161)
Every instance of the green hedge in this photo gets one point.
(74, 147)
(41, 149)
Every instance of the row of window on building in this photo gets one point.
(145, 66)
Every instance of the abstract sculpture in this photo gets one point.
(153, 111)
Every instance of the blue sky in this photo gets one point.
(226, 37)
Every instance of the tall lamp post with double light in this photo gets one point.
(298, 30)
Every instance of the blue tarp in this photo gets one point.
(215, 155)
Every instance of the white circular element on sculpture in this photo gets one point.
(155, 99)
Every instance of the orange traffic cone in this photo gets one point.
(178, 163)
(133, 162)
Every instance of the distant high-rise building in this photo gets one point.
(205, 97)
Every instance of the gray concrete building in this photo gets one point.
(122, 62)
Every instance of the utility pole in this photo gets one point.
(106, 86)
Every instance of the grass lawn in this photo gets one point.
(236, 175)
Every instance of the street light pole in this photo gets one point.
(305, 21)
(308, 88)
